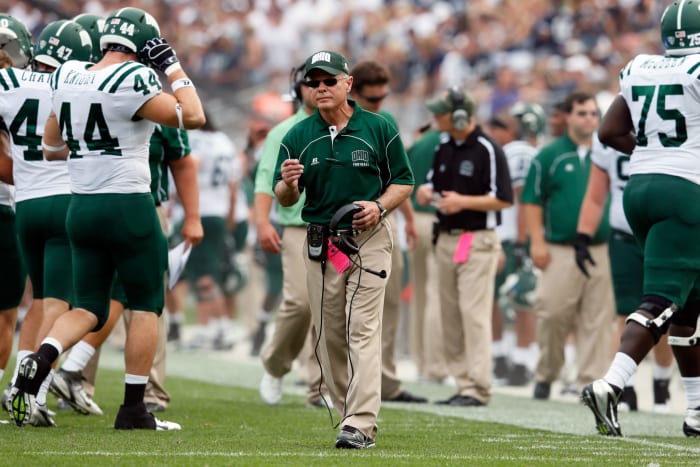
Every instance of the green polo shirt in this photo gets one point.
(557, 181)
(358, 164)
(420, 156)
(264, 177)
(167, 144)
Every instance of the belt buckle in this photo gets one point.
(455, 231)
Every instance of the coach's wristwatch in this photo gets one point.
(382, 210)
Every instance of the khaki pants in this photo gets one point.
(391, 385)
(426, 323)
(349, 305)
(292, 324)
(466, 301)
(567, 300)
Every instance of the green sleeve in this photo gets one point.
(264, 178)
(401, 173)
(533, 192)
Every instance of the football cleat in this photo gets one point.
(41, 416)
(21, 406)
(68, 385)
(602, 398)
(138, 418)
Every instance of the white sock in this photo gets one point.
(621, 370)
(263, 316)
(498, 348)
(41, 395)
(662, 372)
(631, 381)
(135, 379)
(519, 355)
(54, 343)
(20, 356)
(176, 317)
(2, 373)
(692, 391)
(569, 355)
(79, 356)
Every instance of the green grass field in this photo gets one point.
(229, 425)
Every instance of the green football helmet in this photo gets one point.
(93, 24)
(519, 287)
(129, 27)
(61, 41)
(680, 27)
(530, 117)
(15, 40)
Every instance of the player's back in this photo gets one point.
(663, 95)
(216, 162)
(96, 110)
(25, 104)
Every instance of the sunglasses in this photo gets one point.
(374, 99)
(329, 82)
(583, 113)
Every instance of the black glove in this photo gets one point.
(158, 54)
(582, 253)
(519, 254)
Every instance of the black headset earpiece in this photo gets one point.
(344, 242)
(296, 76)
(460, 114)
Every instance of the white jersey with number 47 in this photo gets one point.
(96, 111)
(663, 95)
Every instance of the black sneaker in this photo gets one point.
(602, 399)
(500, 367)
(662, 396)
(519, 375)
(136, 417)
(32, 371)
(542, 390)
(352, 438)
(628, 400)
(459, 400)
(405, 396)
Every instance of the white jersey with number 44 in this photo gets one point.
(96, 111)
(663, 95)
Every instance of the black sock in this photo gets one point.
(133, 394)
(48, 352)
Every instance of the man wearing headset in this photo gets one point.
(343, 154)
(469, 185)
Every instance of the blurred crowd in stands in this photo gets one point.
(501, 50)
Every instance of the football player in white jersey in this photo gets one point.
(217, 177)
(518, 131)
(103, 117)
(609, 175)
(42, 188)
(656, 119)
(15, 49)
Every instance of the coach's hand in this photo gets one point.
(582, 252)
(158, 54)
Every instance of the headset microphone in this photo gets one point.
(381, 274)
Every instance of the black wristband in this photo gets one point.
(583, 238)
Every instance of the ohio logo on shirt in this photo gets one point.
(360, 158)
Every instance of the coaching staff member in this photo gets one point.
(469, 185)
(343, 154)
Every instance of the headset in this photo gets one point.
(345, 241)
(296, 77)
(460, 114)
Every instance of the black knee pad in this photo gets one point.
(652, 307)
(688, 315)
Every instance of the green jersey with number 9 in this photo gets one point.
(663, 95)
(96, 112)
